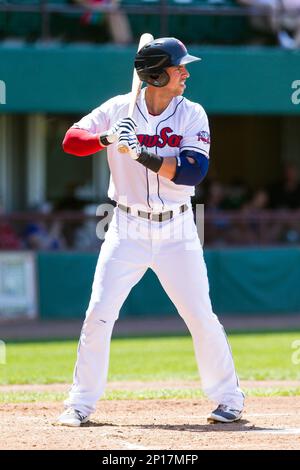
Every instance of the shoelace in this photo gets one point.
(81, 416)
(226, 409)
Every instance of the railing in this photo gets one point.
(246, 227)
(78, 231)
(161, 8)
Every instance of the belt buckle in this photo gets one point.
(154, 217)
(160, 217)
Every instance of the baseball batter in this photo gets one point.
(167, 142)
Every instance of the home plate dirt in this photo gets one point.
(268, 423)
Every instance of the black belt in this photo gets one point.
(155, 217)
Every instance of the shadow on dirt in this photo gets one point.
(242, 426)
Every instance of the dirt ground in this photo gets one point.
(268, 423)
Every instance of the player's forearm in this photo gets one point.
(81, 143)
(189, 168)
(168, 167)
(163, 166)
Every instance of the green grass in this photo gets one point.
(258, 356)
(163, 394)
(266, 356)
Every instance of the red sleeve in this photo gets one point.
(80, 142)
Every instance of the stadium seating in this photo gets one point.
(213, 29)
(64, 26)
(20, 24)
(193, 28)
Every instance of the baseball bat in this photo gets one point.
(136, 85)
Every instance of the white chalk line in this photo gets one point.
(132, 446)
(246, 415)
(278, 430)
(287, 431)
(263, 415)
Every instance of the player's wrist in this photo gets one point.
(149, 160)
(107, 139)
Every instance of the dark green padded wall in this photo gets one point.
(228, 80)
(242, 281)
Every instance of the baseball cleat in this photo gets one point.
(224, 414)
(72, 418)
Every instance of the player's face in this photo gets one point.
(178, 75)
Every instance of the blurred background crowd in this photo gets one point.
(234, 215)
(251, 196)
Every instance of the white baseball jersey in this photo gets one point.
(182, 126)
(133, 244)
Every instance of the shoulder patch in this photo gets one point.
(204, 136)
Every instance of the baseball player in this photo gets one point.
(167, 142)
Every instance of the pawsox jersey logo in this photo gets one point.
(204, 136)
(160, 140)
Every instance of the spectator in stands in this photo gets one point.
(216, 194)
(85, 237)
(258, 201)
(9, 239)
(249, 229)
(236, 195)
(285, 194)
(290, 233)
(118, 23)
(40, 235)
(70, 202)
(282, 18)
(217, 224)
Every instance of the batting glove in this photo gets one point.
(110, 136)
(127, 125)
(129, 140)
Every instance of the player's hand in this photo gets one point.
(127, 124)
(122, 125)
(129, 140)
(127, 129)
(110, 136)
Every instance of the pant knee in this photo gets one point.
(201, 320)
(98, 312)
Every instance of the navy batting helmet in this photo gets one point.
(151, 61)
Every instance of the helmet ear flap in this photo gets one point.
(155, 79)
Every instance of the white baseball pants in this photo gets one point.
(173, 251)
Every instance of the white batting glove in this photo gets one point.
(110, 136)
(127, 124)
(129, 140)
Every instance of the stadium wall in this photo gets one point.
(70, 78)
(242, 281)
